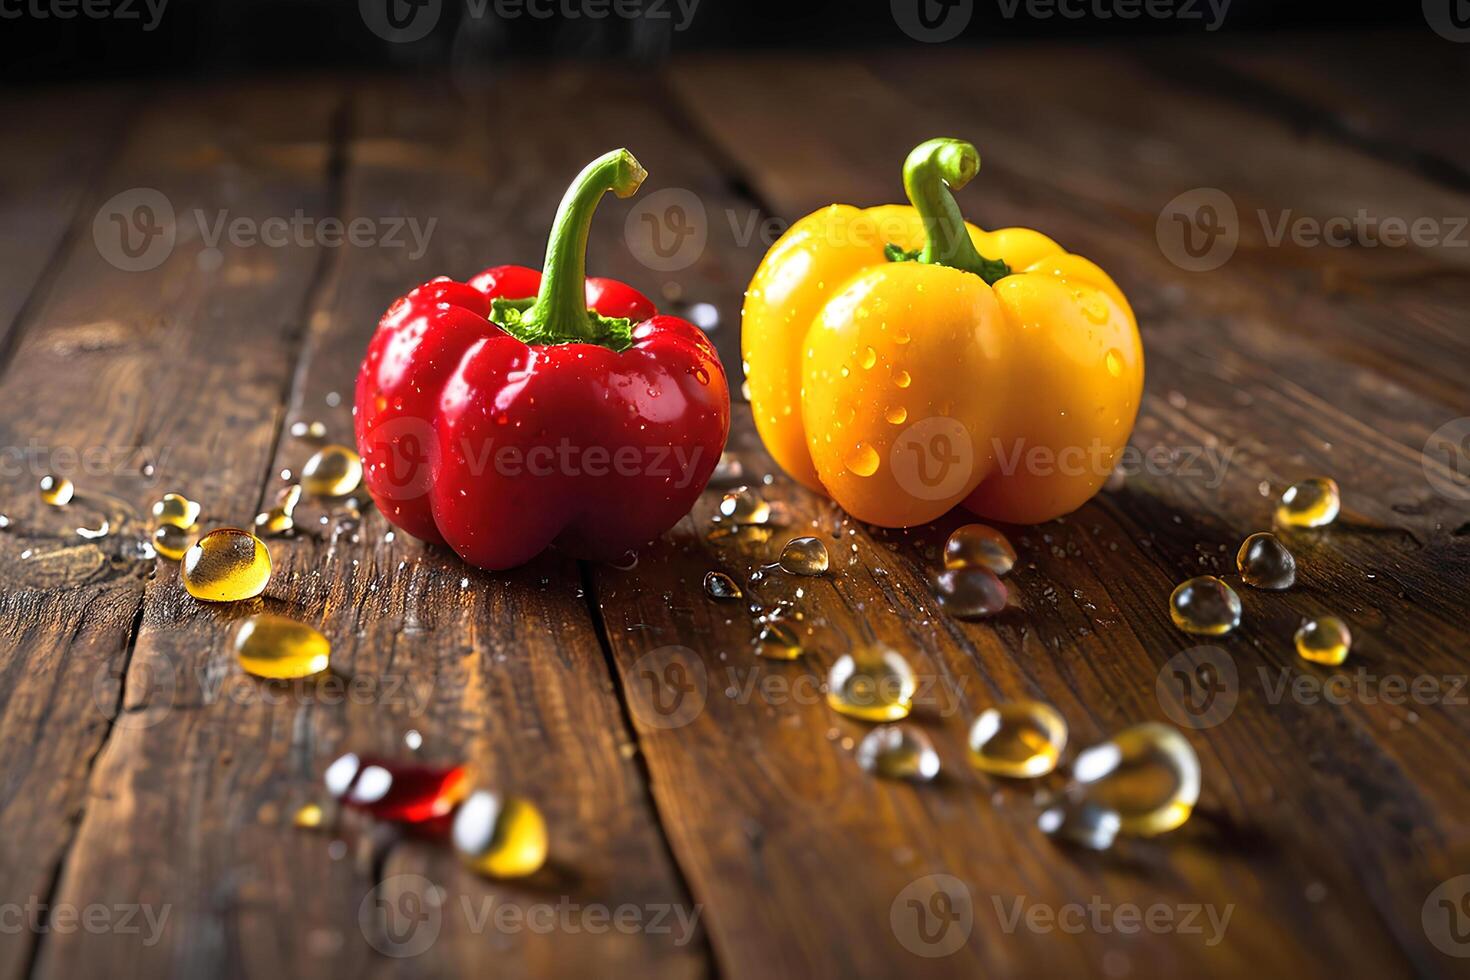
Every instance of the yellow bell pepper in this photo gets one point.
(895, 368)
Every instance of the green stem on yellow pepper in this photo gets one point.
(931, 172)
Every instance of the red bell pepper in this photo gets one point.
(522, 410)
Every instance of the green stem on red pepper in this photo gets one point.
(559, 314)
(931, 172)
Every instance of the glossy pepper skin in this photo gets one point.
(894, 367)
(521, 410)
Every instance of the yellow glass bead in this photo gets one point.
(500, 836)
(744, 506)
(171, 541)
(1021, 739)
(873, 684)
(1206, 606)
(279, 648)
(1324, 640)
(334, 471)
(176, 509)
(1148, 775)
(227, 565)
(805, 556)
(979, 545)
(57, 490)
(309, 816)
(898, 752)
(280, 519)
(1311, 503)
(1265, 563)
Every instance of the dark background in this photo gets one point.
(212, 37)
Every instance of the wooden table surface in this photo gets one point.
(706, 811)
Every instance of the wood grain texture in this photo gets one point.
(681, 775)
(63, 135)
(505, 672)
(1262, 360)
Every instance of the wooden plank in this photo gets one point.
(1239, 360)
(1408, 108)
(147, 341)
(504, 671)
(55, 143)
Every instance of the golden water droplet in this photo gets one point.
(974, 592)
(334, 471)
(280, 519)
(805, 556)
(1114, 362)
(1311, 503)
(718, 585)
(1021, 739)
(1324, 640)
(280, 648)
(870, 357)
(902, 379)
(171, 541)
(1148, 775)
(500, 836)
(227, 565)
(776, 641)
(1206, 606)
(744, 506)
(1094, 308)
(1265, 563)
(896, 415)
(309, 816)
(863, 460)
(873, 684)
(1080, 822)
(898, 752)
(979, 545)
(57, 490)
(176, 509)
